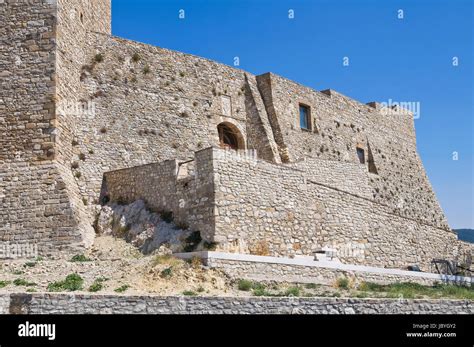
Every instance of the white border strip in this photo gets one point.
(320, 264)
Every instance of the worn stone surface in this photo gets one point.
(76, 102)
(142, 228)
(248, 205)
(115, 304)
(305, 274)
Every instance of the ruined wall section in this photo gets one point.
(184, 189)
(154, 104)
(35, 203)
(339, 126)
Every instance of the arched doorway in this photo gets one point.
(230, 136)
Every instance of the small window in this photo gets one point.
(361, 155)
(305, 117)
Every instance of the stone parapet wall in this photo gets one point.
(117, 304)
(302, 270)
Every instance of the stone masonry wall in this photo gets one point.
(153, 104)
(146, 104)
(339, 125)
(247, 205)
(35, 204)
(259, 271)
(168, 187)
(116, 304)
(283, 211)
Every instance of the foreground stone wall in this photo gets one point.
(115, 304)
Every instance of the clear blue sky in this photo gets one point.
(403, 60)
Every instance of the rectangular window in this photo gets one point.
(305, 117)
(361, 155)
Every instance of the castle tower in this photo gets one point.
(41, 54)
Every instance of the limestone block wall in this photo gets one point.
(60, 303)
(27, 80)
(295, 271)
(348, 177)
(339, 126)
(35, 204)
(146, 104)
(153, 104)
(169, 187)
(287, 211)
(251, 206)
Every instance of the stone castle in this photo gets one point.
(257, 164)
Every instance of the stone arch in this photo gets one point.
(230, 136)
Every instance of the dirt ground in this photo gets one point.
(115, 263)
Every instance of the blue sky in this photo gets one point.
(409, 59)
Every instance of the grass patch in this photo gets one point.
(210, 246)
(3, 284)
(20, 282)
(96, 287)
(293, 291)
(414, 290)
(245, 285)
(189, 293)
(30, 264)
(261, 291)
(192, 241)
(79, 258)
(167, 273)
(99, 58)
(72, 283)
(371, 287)
(165, 260)
(136, 57)
(257, 289)
(342, 283)
(312, 286)
(122, 289)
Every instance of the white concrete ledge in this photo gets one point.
(320, 264)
